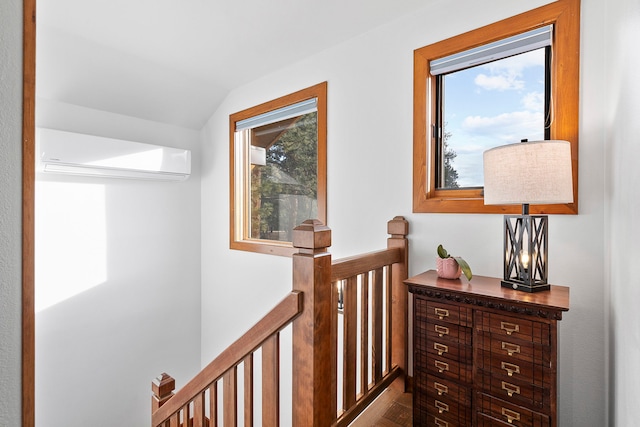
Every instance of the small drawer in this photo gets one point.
(443, 367)
(511, 390)
(443, 389)
(519, 370)
(446, 338)
(458, 352)
(496, 412)
(448, 411)
(425, 418)
(442, 312)
(513, 327)
(514, 349)
(445, 331)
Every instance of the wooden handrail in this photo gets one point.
(344, 268)
(287, 310)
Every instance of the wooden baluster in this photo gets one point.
(174, 421)
(314, 339)
(213, 405)
(377, 323)
(248, 390)
(270, 382)
(388, 316)
(398, 228)
(230, 398)
(364, 334)
(186, 415)
(198, 410)
(162, 388)
(350, 342)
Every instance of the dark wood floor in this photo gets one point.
(392, 409)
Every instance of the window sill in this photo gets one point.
(440, 203)
(273, 248)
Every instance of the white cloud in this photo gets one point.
(471, 148)
(499, 82)
(506, 74)
(533, 101)
(506, 127)
(516, 64)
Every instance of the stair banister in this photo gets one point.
(398, 228)
(312, 311)
(314, 363)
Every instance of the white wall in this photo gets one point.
(10, 209)
(117, 280)
(622, 130)
(369, 181)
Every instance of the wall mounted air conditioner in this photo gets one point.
(81, 154)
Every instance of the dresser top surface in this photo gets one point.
(482, 286)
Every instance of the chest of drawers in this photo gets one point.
(484, 355)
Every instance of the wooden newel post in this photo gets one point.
(314, 348)
(162, 388)
(398, 228)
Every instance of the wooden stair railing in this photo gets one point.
(197, 401)
(372, 336)
(374, 321)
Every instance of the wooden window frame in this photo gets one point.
(28, 390)
(236, 241)
(565, 91)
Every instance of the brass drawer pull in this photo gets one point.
(511, 348)
(441, 330)
(440, 388)
(509, 328)
(442, 407)
(510, 388)
(440, 423)
(440, 348)
(441, 312)
(510, 415)
(510, 368)
(441, 366)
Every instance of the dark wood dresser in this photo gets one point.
(484, 355)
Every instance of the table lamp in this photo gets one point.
(529, 172)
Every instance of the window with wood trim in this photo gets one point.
(546, 42)
(278, 170)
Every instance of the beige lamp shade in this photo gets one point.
(535, 172)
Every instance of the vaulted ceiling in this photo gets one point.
(174, 61)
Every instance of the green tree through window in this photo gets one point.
(284, 190)
(450, 173)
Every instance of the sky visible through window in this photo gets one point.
(498, 103)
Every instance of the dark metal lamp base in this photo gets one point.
(525, 288)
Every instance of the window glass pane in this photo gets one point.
(486, 106)
(284, 177)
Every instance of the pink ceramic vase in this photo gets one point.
(448, 268)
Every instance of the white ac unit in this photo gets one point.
(81, 154)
